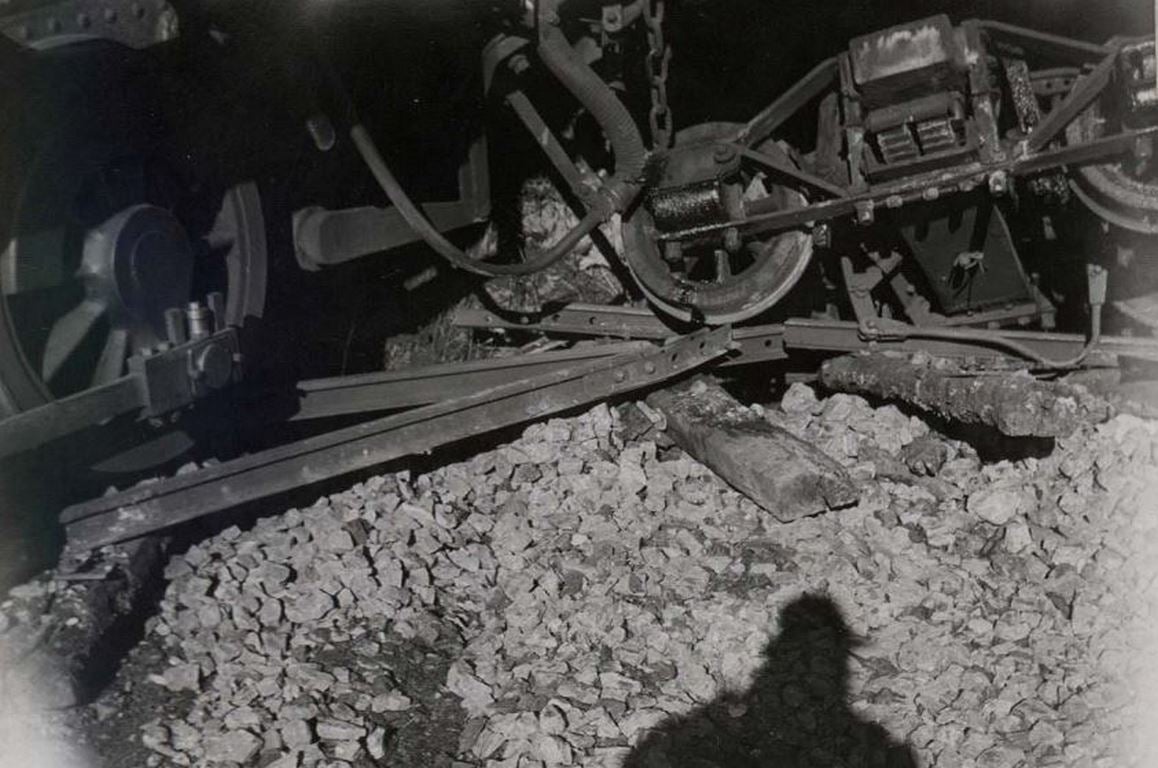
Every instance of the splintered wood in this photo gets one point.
(1015, 403)
(783, 474)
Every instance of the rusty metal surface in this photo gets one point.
(225, 486)
(1021, 89)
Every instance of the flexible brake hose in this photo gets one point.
(435, 239)
(618, 193)
(960, 334)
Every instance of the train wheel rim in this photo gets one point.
(70, 322)
(1110, 191)
(42, 183)
(736, 286)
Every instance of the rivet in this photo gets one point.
(83, 21)
(110, 15)
(649, 368)
(53, 25)
(138, 11)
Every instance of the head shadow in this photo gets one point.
(795, 714)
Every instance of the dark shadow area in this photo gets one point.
(795, 713)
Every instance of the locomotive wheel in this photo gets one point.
(1118, 193)
(103, 228)
(708, 283)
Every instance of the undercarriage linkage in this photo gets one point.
(960, 191)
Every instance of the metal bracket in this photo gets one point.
(176, 377)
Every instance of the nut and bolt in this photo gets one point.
(200, 320)
(612, 18)
(212, 366)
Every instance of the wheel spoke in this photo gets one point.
(68, 333)
(112, 360)
(34, 261)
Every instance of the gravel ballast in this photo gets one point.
(590, 595)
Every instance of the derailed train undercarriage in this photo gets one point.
(933, 185)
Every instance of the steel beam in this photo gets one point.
(1085, 90)
(149, 508)
(821, 77)
(1053, 46)
(59, 418)
(369, 392)
(754, 344)
(574, 319)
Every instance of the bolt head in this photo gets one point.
(724, 153)
(998, 183)
(821, 235)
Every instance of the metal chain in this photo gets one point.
(658, 57)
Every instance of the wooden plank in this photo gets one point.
(1013, 402)
(778, 471)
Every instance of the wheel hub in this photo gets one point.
(138, 264)
(713, 281)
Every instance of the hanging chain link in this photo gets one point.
(658, 57)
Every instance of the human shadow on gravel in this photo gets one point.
(794, 715)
